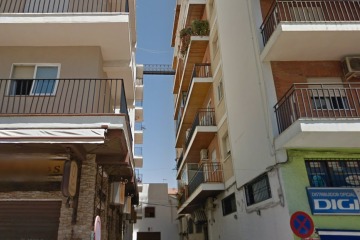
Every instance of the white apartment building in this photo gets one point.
(274, 124)
(156, 213)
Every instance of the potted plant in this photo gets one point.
(197, 28)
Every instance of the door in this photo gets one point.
(29, 219)
(149, 236)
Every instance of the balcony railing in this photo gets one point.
(312, 101)
(309, 12)
(202, 70)
(63, 6)
(179, 161)
(139, 177)
(204, 117)
(207, 173)
(62, 96)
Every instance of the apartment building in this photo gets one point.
(69, 91)
(156, 213)
(282, 92)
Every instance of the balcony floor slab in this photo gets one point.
(320, 133)
(312, 42)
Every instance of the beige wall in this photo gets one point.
(76, 62)
(71, 96)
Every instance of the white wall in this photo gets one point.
(250, 95)
(156, 195)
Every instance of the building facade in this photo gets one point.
(274, 118)
(156, 213)
(70, 89)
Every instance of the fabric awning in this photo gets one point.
(199, 216)
(52, 135)
(326, 234)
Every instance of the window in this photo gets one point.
(336, 102)
(258, 190)
(33, 79)
(333, 173)
(229, 204)
(220, 91)
(149, 212)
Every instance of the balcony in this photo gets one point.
(319, 116)
(139, 89)
(51, 115)
(138, 157)
(199, 135)
(300, 30)
(138, 133)
(139, 111)
(194, 54)
(89, 23)
(196, 93)
(192, 45)
(62, 96)
(207, 181)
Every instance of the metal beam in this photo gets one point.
(158, 69)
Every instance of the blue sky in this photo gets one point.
(154, 29)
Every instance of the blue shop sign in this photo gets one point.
(334, 201)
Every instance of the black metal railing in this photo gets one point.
(310, 12)
(333, 101)
(179, 161)
(202, 70)
(138, 176)
(207, 173)
(183, 99)
(62, 96)
(183, 195)
(63, 6)
(204, 117)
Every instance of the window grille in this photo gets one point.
(333, 173)
(258, 190)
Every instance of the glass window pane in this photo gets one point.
(45, 83)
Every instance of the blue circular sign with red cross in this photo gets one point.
(301, 224)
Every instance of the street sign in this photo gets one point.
(301, 224)
(334, 201)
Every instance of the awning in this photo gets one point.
(199, 216)
(326, 234)
(52, 135)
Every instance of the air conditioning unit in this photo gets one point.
(204, 154)
(351, 67)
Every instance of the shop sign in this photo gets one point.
(69, 180)
(334, 201)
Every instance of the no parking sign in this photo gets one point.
(301, 224)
